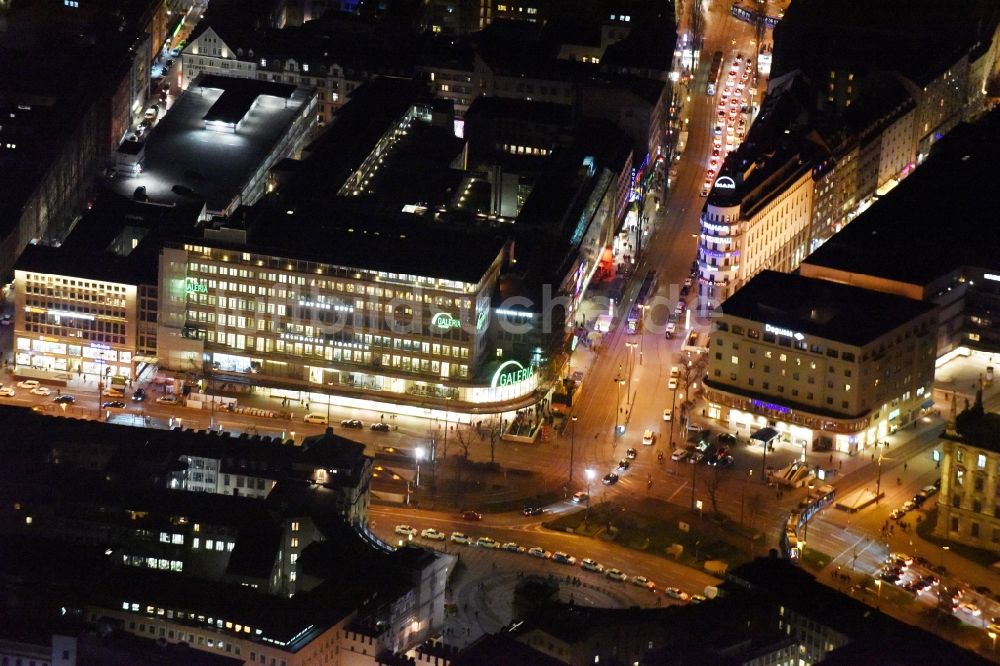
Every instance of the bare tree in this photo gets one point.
(492, 428)
(712, 484)
(464, 438)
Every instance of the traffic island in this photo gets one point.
(667, 530)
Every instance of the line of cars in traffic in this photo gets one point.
(623, 466)
(731, 118)
(559, 557)
(918, 500)
(914, 576)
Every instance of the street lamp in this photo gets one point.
(572, 446)
(943, 549)
(993, 637)
(878, 478)
(590, 474)
(618, 401)
(878, 600)
(419, 454)
(631, 363)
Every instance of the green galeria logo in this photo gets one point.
(481, 321)
(510, 372)
(445, 320)
(193, 286)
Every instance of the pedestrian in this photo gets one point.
(904, 466)
(831, 458)
(841, 464)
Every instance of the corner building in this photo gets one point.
(410, 330)
(826, 365)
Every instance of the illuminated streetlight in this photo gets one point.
(591, 475)
(419, 453)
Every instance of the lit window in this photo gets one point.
(195, 542)
(295, 542)
(295, 526)
(294, 558)
(220, 545)
(981, 461)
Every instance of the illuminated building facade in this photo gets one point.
(827, 365)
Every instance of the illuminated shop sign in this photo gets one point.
(510, 372)
(992, 276)
(760, 404)
(445, 320)
(193, 286)
(725, 183)
(783, 331)
(481, 320)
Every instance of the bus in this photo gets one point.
(714, 72)
(646, 292)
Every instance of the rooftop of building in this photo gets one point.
(821, 308)
(932, 220)
(56, 64)
(212, 164)
(100, 245)
(502, 648)
(521, 110)
(977, 427)
(919, 39)
(648, 46)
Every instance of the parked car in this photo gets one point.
(7, 392)
(138, 395)
(380, 427)
(64, 400)
(352, 423)
(533, 510)
(28, 384)
(563, 558)
(672, 383)
(458, 537)
(642, 581)
(487, 542)
(316, 418)
(40, 390)
(679, 455)
(433, 534)
(113, 404)
(648, 438)
(405, 530)
(668, 414)
(471, 515)
(512, 547)
(615, 574)
(675, 593)
(590, 565)
(540, 553)
(167, 400)
(580, 497)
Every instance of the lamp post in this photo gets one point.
(878, 599)
(618, 400)
(590, 474)
(631, 364)
(642, 328)
(993, 637)
(419, 454)
(743, 494)
(572, 447)
(943, 549)
(878, 478)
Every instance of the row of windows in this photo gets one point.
(74, 333)
(52, 280)
(153, 563)
(784, 340)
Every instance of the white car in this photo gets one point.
(588, 564)
(28, 384)
(458, 537)
(615, 574)
(167, 400)
(563, 558)
(512, 547)
(648, 438)
(406, 530)
(7, 392)
(580, 497)
(40, 390)
(971, 609)
(668, 414)
(540, 553)
(679, 455)
(433, 534)
(487, 542)
(672, 383)
(642, 581)
(675, 593)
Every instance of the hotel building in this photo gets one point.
(826, 365)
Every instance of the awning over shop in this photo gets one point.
(765, 435)
(927, 404)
